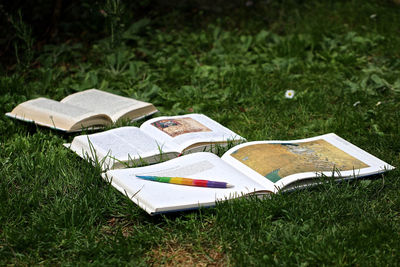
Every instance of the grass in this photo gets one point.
(235, 65)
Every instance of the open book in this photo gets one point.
(261, 167)
(87, 109)
(156, 139)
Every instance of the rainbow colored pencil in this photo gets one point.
(186, 181)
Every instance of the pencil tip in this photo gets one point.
(229, 185)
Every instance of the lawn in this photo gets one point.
(232, 61)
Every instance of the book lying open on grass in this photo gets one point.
(156, 139)
(87, 109)
(260, 167)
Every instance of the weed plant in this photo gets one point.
(341, 58)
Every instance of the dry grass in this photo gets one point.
(125, 226)
(177, 254)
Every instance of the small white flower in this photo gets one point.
(356, 103)
(378, 103)
(373, 16)
(289, 94)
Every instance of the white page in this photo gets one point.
(161, 197)
(113, 105)
(187, 130)
(51, 113)
(324, 152)
(120, 144)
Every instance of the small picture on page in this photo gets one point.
(175, 127)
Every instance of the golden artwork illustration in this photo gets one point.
(276, 161)
(175, 127)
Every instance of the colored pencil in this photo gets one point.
(186, 181)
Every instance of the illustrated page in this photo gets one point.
(283, 162)
(104, 103)
(163, 196)
(186, 130)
